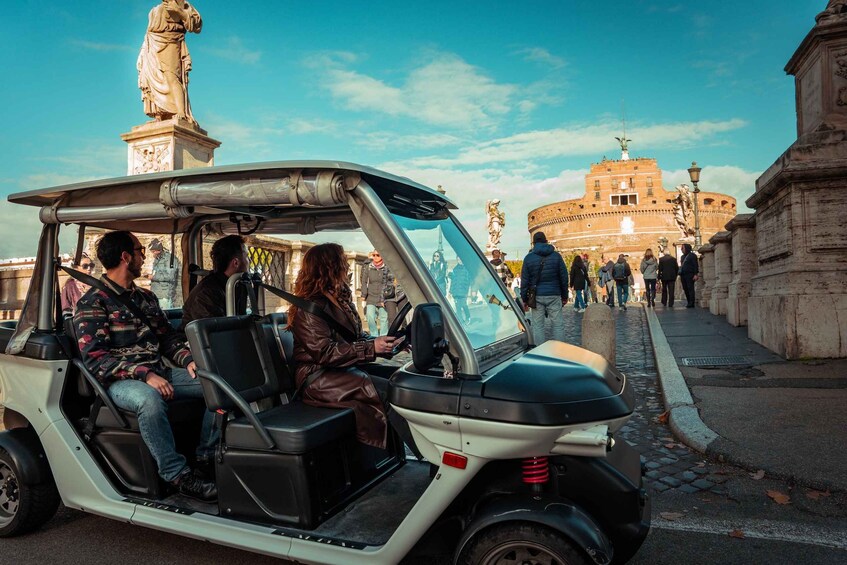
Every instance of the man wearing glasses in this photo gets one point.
(375, 280)
(124, 348)
(73, 289)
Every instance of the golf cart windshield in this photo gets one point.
(466, 281)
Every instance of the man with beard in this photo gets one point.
(123, 347)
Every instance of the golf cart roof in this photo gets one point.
(170, 201)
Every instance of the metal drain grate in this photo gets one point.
(716, 361)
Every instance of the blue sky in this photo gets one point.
(490, 99)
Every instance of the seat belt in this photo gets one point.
(122, 298)
(311, 308)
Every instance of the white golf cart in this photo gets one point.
(521, 465)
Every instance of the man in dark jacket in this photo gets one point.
(688, 271)
(668, 271)
(208, 298)
(545, 271)
(375, 278)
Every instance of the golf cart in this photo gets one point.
(520, 464)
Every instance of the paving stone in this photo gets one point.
(656, 475)
(653, 464)
(671, 482)
(688, 489)
(689, 476)
(703, 484)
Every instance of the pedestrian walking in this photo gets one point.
(164, 275)
(668, 271)
(578, 278)
(373, 283)
(544, 288)
(650, 272)
(501, 268)
(460, 284)
(438, 270)
(592, 289)
(621, 273)
(607, 283)
(689, 272)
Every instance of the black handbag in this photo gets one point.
(532, 292)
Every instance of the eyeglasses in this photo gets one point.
(377, 255)
(140, 248)
(87, 266)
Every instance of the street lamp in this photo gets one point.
(694, 174)
(440, 190)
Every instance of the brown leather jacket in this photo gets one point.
(341, 385)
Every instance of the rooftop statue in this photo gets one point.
(164, 63)
(835, 10)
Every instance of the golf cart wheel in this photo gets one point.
(23, 508)
(521, 543)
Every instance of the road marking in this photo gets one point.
(771, 530)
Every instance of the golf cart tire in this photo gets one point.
(36, 503)
(533, 538)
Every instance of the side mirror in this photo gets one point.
(428, 342)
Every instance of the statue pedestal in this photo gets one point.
(798, 300)
(723, 272)
(168, 145)
(703, 287)
(743, 229)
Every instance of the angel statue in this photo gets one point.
(662, 244)
(496, 223)
(683, 204)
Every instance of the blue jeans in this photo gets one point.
(578, 299)
(152, 411)
(372, 312)
(623, 294)
(548, 308)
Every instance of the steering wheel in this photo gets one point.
(394, 330)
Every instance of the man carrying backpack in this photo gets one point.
(621, 273)
(544, 288)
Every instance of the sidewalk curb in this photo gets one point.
(683, 417)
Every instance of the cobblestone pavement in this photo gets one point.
(670, 465)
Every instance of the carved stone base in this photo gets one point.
(736, 303)
(168, 145)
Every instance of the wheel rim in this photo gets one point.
(522, 553)
(9, 494)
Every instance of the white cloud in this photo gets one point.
(541, 55)
(579, 140)
(235, 50)
(445, 91)
(386, 140)
(95, 46)
(311, 125)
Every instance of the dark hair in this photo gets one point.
(539, 237)
(323, 271)
(112, 245)
(156, 245)
(577, 261)
(686, 247)
(225, 250)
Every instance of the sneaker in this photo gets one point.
(189, 484)
(624, 308)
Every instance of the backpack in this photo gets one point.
(619, 272)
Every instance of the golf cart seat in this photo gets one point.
(114, 435)
(292, 463)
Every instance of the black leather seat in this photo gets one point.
(295, 428)
(280, 344)
(236, 349)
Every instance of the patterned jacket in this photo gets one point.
(115, 345)
(503, 271)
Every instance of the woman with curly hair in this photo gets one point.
(332, 353)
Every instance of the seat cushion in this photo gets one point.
(179, 411)
(295, 428)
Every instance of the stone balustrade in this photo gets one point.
(744, 265)
(707, 276)
(722, 242)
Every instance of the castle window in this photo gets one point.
(597, 183)
(708, 201)
(614, 183)
(650, 182)
(631, 182)
(624, 199)
(596, 195)
(724, 203)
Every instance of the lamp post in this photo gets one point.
(694, 174)
(440, 190)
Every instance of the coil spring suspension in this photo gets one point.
(536, 471)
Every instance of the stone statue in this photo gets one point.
(624, 143)
(683, 204)
(662, 244)
(164, 62)
(496, 223)
(836, 10)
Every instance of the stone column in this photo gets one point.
(743, 230)
(707, 275)
(723, 272)
(167, 146)
(798, 300)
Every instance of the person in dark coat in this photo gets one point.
(208, 298)
(320, 348)
(688, 273)
(579, 280)
(545, 271)
(668, 271)
(460, 284)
